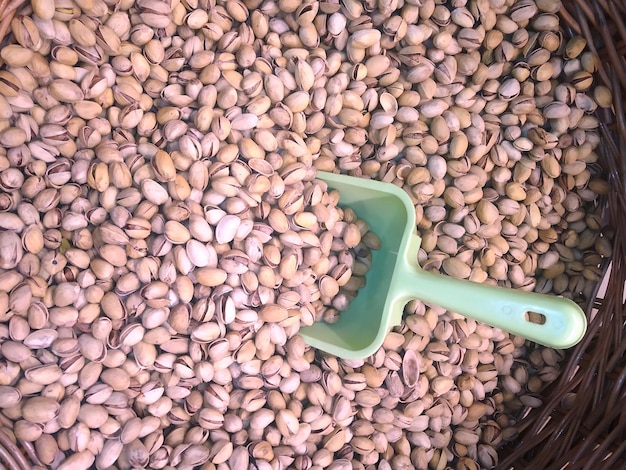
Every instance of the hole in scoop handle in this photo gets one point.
(565, 322)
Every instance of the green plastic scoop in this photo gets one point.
(396, 278)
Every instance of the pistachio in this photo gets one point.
(363, 39)
(11, 250)
(40, 410)
(10, 396)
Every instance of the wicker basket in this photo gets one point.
(582, 423)
(14, 455)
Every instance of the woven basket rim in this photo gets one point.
(582, 437)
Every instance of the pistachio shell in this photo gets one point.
(273, 313)
(40, 410)
(9, 396)
(226, 228)
(44, 375)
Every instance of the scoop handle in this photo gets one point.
(565, 322)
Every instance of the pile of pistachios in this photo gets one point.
(163, 236)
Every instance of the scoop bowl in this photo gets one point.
(396, 278)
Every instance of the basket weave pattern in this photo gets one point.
(582, 424)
